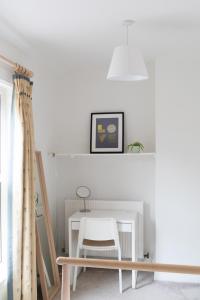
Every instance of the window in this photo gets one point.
(5, 101)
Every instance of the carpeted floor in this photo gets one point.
(103, 285)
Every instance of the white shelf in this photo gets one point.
(95, 155)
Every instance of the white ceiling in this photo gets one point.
(87, 30)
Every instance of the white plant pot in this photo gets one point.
(136, 149)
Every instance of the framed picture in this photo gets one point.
(107, 132)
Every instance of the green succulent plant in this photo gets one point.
(136, 144)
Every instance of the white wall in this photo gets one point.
(86, 91)
(178, 163)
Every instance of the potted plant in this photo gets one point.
(136, 147)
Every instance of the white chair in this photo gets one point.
(98, 234)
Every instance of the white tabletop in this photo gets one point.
(123, 216)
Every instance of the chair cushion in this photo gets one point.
(94, 243)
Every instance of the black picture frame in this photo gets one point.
(120, 133)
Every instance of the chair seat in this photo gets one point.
(95, 243)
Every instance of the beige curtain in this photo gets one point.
(24, 242)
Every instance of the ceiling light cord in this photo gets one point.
(127, 24)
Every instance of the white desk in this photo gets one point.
(127, 222)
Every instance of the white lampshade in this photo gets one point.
(127, 64)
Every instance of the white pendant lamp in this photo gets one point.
(127, 63)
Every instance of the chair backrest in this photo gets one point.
(98, 229)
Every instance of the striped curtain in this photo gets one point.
(23, 240)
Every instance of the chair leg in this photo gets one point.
(76, 270)
(120, 281)
(120, 273)
(75, 278)
(85, 255)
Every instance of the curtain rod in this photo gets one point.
(17, 68)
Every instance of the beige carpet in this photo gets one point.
(103, 285)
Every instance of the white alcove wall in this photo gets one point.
(177, 163)
(86, 90)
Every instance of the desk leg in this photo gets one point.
(73, 240)
(134, 273)
(70, 249)
(70, 239)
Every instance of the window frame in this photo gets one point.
(6, 96)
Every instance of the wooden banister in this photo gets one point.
(65, 262)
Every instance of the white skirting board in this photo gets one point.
(71, 206)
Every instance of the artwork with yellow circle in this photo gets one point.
(107, 133)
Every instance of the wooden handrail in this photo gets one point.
(128, 265)
(66, 262)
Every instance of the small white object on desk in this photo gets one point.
(83, 192)
(127, 221)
